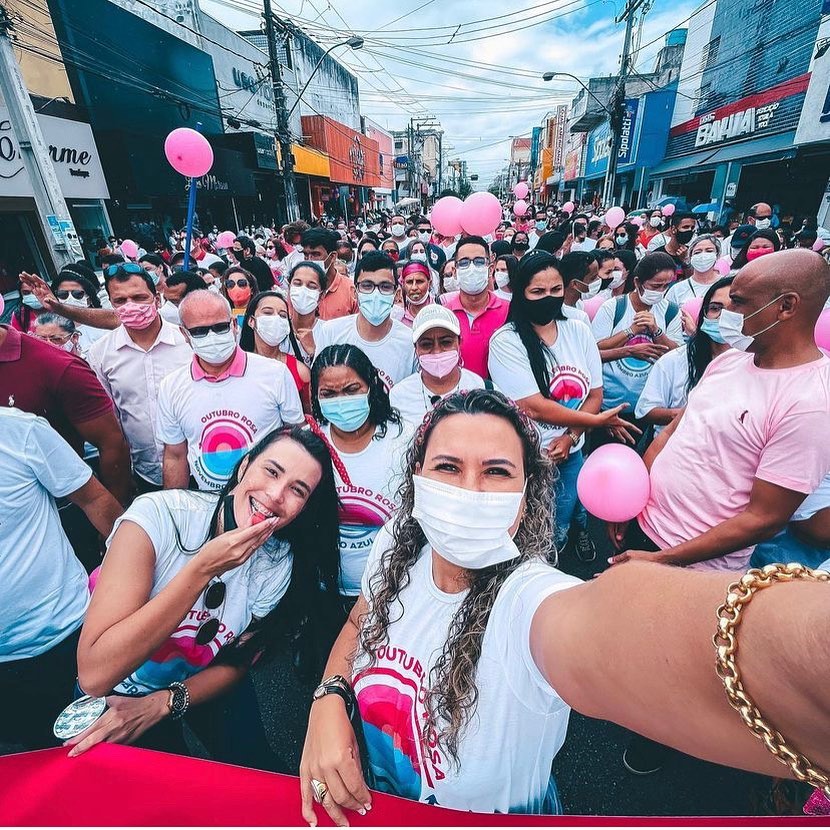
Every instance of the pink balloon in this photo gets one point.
(446, 215)
(129, 249)
(613, 484)
(93, 579)
(591, 307)
(568, 207)
(614, 217)
(519, 207)
(225, 239)
(521, 190)
(723, 267)
(692, 307)
(819, 244)
(638, 221)
(668, 210)
(188, 152)
(822, 330)
(480, 213)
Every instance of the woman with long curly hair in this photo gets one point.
(466, 649)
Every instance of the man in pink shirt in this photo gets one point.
(480, 311)
(751, 443)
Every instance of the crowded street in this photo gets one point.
(400, 409)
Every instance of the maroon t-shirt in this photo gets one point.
(36, 377)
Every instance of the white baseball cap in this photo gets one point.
(434, 316)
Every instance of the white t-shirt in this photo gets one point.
(623, 380)
(369, 500)
(87, 335)
(413, 400)
(43, 586)
(393, 356)
(686, 289)
(221, 420)
(575, 313)
(504, 295)
(573, 363)
(586, 245)
(519, 723)
(178, 524)
(665, 387)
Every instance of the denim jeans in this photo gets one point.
(785, 547)
(566, 501)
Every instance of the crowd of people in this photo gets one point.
(362, 443)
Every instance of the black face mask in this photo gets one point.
(541, 312)
(684, 237)
(520, 246)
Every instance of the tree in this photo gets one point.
(465, 189)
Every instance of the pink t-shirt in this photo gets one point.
(476, 333)
(741, 423)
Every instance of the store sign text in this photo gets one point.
(357, 157)
(737, 125)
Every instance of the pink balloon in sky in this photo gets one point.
(225, 239)
(446, 215)
(129, 249)
(637, 220)
(668, 210)
(723, 267)
(568, 207)
(519, 207)
(613, 484)
(480, 213)
(188, 152)
(614, 217)
(521, 190)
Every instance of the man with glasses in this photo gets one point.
(244, 250)
(338, 300)
(214, 408)
(386, 342)
(479, 310)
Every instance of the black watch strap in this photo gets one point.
(346, 694)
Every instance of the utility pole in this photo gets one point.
(617, 108)
(283, 134)
(52, 210)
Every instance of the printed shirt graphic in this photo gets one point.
(519, 724)
(623, 380)
(573, 363)
(220, 421)
(368, 501)
(251, 590)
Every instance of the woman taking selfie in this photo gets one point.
(466, 649)
(194, 586)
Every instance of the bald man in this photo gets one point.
(751, 443)
(212, 410)
(760, 215)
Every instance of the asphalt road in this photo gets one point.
(589, 770)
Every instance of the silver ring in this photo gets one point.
(320, 790)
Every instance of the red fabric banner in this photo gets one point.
(121, 785)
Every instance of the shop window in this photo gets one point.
(710, 53)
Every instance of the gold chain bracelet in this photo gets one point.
(726, 643)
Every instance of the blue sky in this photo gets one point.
(483, 79)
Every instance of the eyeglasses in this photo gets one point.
(77, 293)
(241, 283)
(203, 331)
(367, 287)
(213, 598)
(55, 340)
(478, 261)
(713, 309)
(127, 267)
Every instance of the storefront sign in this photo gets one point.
(353, 157)
(600, 142)
(814, 124)
(358, 160)
(266, 157)
(73, 153)
(573, 156)
(737, 125)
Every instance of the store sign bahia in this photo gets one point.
(737, 125)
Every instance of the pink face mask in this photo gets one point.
(439, 365)
(137, 315)
(754, 253)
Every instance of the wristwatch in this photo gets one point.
(336, 685)
(179, 700)
(629, 332)
(658, 332)
(573, 436)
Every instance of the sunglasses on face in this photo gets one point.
(203, 331)
(241, 283)
(213, 598)
(479, 261)
(77, 293)
(128, 267)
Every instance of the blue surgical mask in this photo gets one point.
(376, 307)
(711, 329)
(541, 225)
(32, 301)
(347, 412)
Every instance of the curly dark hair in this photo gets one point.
(381, 411)
(453, 695)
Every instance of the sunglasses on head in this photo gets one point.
(77, 293)
(240, 283)
(213, 598)
(203, 331)
(127, 267)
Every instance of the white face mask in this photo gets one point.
(502, 279)
(655, 221)
(303, 299)
(214, 287)
(418, 257)
(762, 224)
(468, 528)
(424, 236)
(617, 279)
(593, 290)
(82, 303)
(69, 346)
(214, 348)
(731, 325)
(272, 328)
(450, 284)
(703, 261)
(651, 297)
(473, 279)
(398, 230)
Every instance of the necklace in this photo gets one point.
(430, 402)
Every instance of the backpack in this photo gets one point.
(619, 310)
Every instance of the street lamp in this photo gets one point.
(549, 76)
(354, 42)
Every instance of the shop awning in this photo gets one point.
(769, 148)
(310, 162)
